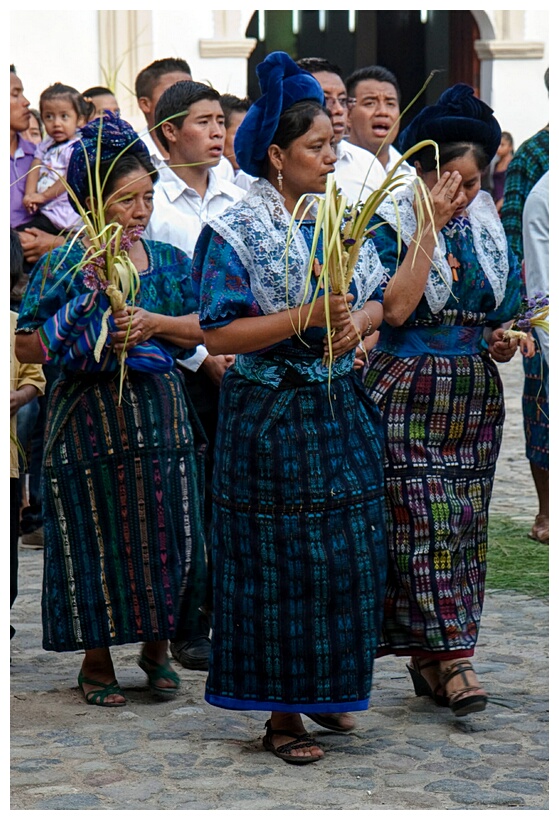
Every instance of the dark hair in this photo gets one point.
(175, 102)
(89, 95)
(97, 91)
(316, 64)
(38, 117)
(72, 94)
(448, 152)
(232, 104)
(294, 122)
(508, 137)
(12, 69)
(371, 72)
(149, 76)
(16, 258)
(111, 171)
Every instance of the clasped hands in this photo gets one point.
(133, 326)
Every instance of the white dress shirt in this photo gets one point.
(405, 167)
(179, 213)
(358, 172)
(535, 239)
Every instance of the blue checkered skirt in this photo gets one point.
(298, 547)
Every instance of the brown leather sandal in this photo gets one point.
(285, 751)
(464, 701)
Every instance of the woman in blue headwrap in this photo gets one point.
(122, 515)
(297, 532)
(432, 373)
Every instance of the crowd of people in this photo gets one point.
(232, 465)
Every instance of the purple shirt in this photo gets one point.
(19, 166)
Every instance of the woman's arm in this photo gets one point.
(404, 291)
(182, 331)
(257, 332)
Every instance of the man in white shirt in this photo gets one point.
(235, 109)
(374, 116)
(186, 195)
(150, 84)
(357, 172)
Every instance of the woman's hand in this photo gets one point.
(502, 349)
(446, 199)
(339, 308)
(141, 323)
(352, 333)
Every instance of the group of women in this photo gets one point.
(350, 506)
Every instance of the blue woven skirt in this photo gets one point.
(535, 410)
(124, 546)
(298, 547)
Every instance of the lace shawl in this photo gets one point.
(257, 227)
(490, 245)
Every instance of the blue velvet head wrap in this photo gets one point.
(457, 116)
(116, 136)
(282, 83)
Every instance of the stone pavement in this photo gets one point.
(406, 753)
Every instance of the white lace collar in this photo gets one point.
(257, 227)
(490, 245)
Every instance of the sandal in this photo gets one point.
(329, 721)
(540, 529)
(284, 752)
(421, 685)
(155, 672)
(98, 697)
(462, 702)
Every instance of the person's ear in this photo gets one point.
(144, 104)
(275, 156)
(418, 168)
(170, 132)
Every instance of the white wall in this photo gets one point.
(518, 95)
(177, 34)
(54, 46)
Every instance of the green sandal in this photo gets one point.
(98, 697)
(155, 672)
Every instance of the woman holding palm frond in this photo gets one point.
(122, 513)
(432, 373)
(298, 532)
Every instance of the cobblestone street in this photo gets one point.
(406, 753)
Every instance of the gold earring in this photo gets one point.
(280, 180)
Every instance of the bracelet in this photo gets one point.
(369, 329)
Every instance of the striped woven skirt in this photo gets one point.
(122, 513)
(298, 547)
(443, 420)
(535, 410)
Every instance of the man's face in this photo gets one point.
(201, 137)
(19, 105)
(235, 119)
(373, 117)
(148, 104)
(335, 98)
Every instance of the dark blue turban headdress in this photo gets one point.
(458, 116)
(283, 84)
(117, 136)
